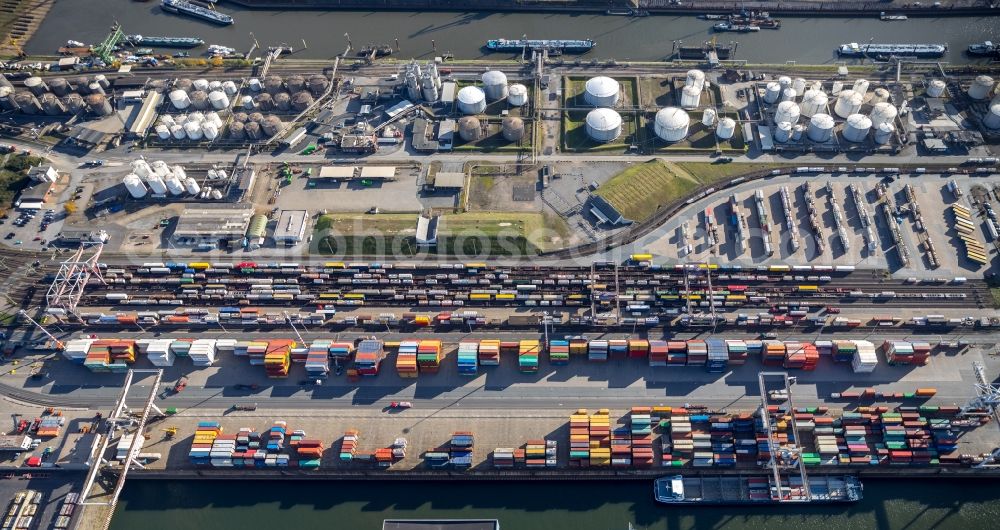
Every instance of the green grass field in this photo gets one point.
(638, 191)
(707, 172)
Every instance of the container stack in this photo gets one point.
(681, 438)
(527, 356)
(534, 454)
(856, 431)
(276, 437)
(677, 353)
(503, 458)
(697, 353)
(509, 347)
(617, 348)
(201, 447)
(641, 430)
(429, 354)
(489, 352)
(744, 437)
(701, 436)
(558, 352)
(349, 445)
(202, 352)
(658, 352)
(800, 355)
(317, 361)
(437, 459)
(737, 350)
(844, 351)
(97, 359)
(247, 445)
(277, 358)
(49, 426)
(638, 348)
(223, 447)
(76, 350)
(341, 351)
(600, 438)
(717, 355)
(123, 446)
(921, 352)
(865, 360)
(579, 439)
(899, 352)
(578, 347)
(158, 352)
(461, 448)
(256, 350)
(398, 448)
(383, 457)
(773, 353)
(723, 438)
(621, 447)
(310, 452)
(597, 350)
(299, 355)
(369, 356)
(468, 352)
(406, 358)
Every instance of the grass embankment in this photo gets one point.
(14, 177)
(995, 291)
(708, 172)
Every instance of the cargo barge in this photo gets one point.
(164, 42)
(854, 49)
(184, 7)
(755, 490)
(563, 45)
(984, 49)
(738, 28)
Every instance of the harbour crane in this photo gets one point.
(791, 455)
(108, 45)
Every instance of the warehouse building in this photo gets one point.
(336, 173)
(291, 229)
(427, 230)
(378, 172)
(605, 212)
(449, 180)
(207, 226)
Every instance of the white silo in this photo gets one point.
(785, 82)
(820, 128)
(517, 95)
(788, 94)
(229, 88)
(191, 186)
(813, 102)
(601, 91)
(254, 84)
(992, 118)
(134, 186)
(797, 131)
(156, 184)
(167, 120)
(216, 195)
(690, 97)
(799, 85)
(603, 125)
(772, 92)
(193, 130)
(174, 185)
(102, 80)
(196, 117)
(163, 131)
(671, 124)
(883, 113)
(708, 117)
(214, 118)
(695, 78)
(981, 87)
(429, 88)
(883, 133)
(141, 167)
(494, 84)
(848, 102)
(783, 132)
(878, 96)
(210, 130)
(471, 100)
(861, 86)
(178, 171)
(787, 111)
(177, 131)
(179, 99)
(857, 127)
(160, 168)
(935, 88)
(200, 84)
(726, 128)
(214, 85)
(219, 100)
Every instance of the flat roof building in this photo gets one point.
(33, 198)
(42, 173)
(336, 172)
(427, 230)
(291, 229)
(201, 225)
(449, 180)
(378, 172)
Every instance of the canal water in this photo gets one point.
(805, 40)
(887, 505)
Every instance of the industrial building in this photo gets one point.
(427, 230)
(291, 228)
(33, 198)
(605, 212)
(336, 173)
(42, 173)
(449, 180)
(205, 225)
(378, 173)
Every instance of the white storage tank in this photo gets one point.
(216, 195)
(160, 168)
(102, 80)
(163, 131)
(857, 127)
(861, 87)
(787, 111)
(177, 131)
(838, 86)
(883, 133)
(883, 113)
(219, 100)
(992, 118)
(813, 102)
(797, 132)
(471, 100)
(517, 94)
(167, 120)
(193, 130)
(783, 132)
(708, 117)
(196, 117)
(690, 97)
(726, 128)
(214, 118)
(141, 167)
(229, 88)
(247, 103)
(671, 124)
(820, 128)
(210, 130)
(36, 85)
(785, 82)
(799, 85)
(981, 87)
(178, 171)
(156, 184)
(878, 96)
(494, 85)
(601, 91)
(200, 84)
(214, 85)
(179, 99)
(788, 94)
(695, 78)
(935, 88)
(134, 186)
(254, 84)
(174, 185)
(772, 92)
(848, 102)
(512, 129)
(603, 125)
(191, 186)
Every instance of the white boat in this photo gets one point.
(889, 18)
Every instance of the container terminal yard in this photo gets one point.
(743, 284)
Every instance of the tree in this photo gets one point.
(217, 61)
(70, 207)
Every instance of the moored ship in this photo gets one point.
(738, 28)
(756, 490)
(984, 49)
(187, 8)
(164, 42)
(565, 45)
(854, 49)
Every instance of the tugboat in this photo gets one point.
(224, 51)
(985, 49)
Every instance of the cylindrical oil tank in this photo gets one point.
(695, 78)
(4, 82)
(200, 84)
(861, 87)
(992, 118)
(51, 105)
(671, 124)
(36, 85)
(255, 85)
(134, 186)
(160, 168)
(59, 86)
(99, 105)
(167, 120)
(199, 99)
(273, 84)
(7, 98)
(788, 94)
(726, 128)
(264, 101)
(216, 195)
(191, 186)
(979, 89)
(28, 103)
(690, 97)
(177, 131)
(240, 117)
(219, 100)
(601, 91)
(469, 128)
(797, 132)
(229, 88)
(178, 171)
(271, 125)
(604, 124)
(95, 88)
(471, 100)
(782, 132)
(848, 102)
(247, 103)
(237, 130)
(184, 84)
(301, 100)
(820, 127)
(883, 112)
(210, 130)
(935, 88)
(192, 130)
(295, 83)
(512, 129)
(772, 93)
(214, 118)
(787, 111)
(708, 117)
(785, 82)
(883, 133)
(255, 116)
(163, 131)
(142, 168)
(799, 85)
(156, 184)
(282, 101)
(174, 185)
(103, 81)
(880, 95)
(318, 84)
(813, 101)
(252, 130)
(857, 127)
(196, 117)
(517, 94)
(74, 103)
(179, 99)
